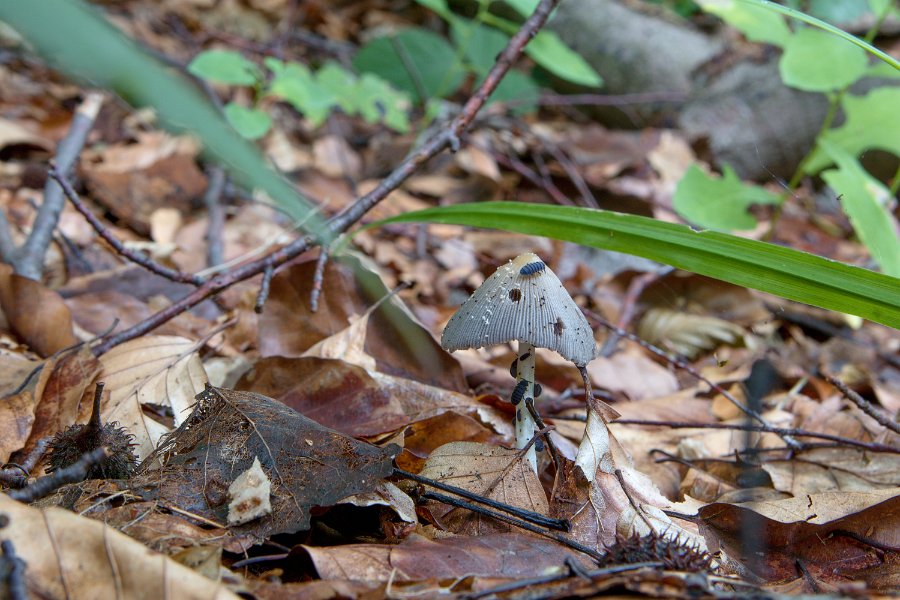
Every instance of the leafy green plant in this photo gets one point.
(820, 58)
(313, 94)
(429, 67)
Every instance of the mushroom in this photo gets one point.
(525, 301)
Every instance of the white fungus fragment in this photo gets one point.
(250, 495)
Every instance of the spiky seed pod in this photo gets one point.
(74, 442)
(673, 553)
(77, 440)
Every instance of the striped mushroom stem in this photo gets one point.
(525, 425)
(522, 301)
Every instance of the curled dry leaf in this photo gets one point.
(59, 391)
(504, 555)
(164, 370)
(687, 334)
(358, 402)
(837, 536)
(35, 313)
(397, 342)
(492, 471)
(308, 464)
(70, 556)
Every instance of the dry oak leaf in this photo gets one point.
(164, 370)
(70, 556)
(492, 471)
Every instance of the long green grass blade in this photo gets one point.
(766, 267)
(75, 38)
(800, 16)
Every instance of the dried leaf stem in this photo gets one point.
(443, 139)
(863, 404)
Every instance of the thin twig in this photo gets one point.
(863, 404)
(48, 484)
(529, 584)
(16, 475)
(318, 279)
(354, 212)
(264, 286)
(16, 588)
(686, 367)
(527, 515)
(139, 258)
(635, 288)
(28, 261)
(562, 539)
(215, 214)
(544, 431)
(780, 431)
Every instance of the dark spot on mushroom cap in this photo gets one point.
(515, 294)
(559, 326)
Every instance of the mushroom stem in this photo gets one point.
(525, 425)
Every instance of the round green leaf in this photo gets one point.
(249, 122)
(224, 66)
(817, 61)
(718, 203)
(415, 60)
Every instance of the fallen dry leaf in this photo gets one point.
(491, 471)
(163, 370)
(35, 313)
(69, 556)
(308, 464)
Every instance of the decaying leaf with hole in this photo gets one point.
(308, 464)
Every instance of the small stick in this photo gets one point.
(48, 484)
(264, 286)
(598, 556)
(139, 258)
(527, 515)
(215, 246)
(544, 431)
(16, 587)
(863, 404)
(318, 278)
(686, 367)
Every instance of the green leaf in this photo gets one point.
(251, 123)
(341, 83)
(865, 201)
(844, 11)
(872, 122)
(224, 66)
(415, 60)
(296, 84)
(718, 203)
(796, 14)
(766, 267)
(523, 7)
(756, 23)
(105, 57)
(551, 53)
(380, 103)
(439, 7)
(816, 61)
(481, 44)
(518, 88)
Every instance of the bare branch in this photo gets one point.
(29, 259)
(447, 138)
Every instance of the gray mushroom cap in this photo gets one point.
(523, 300)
